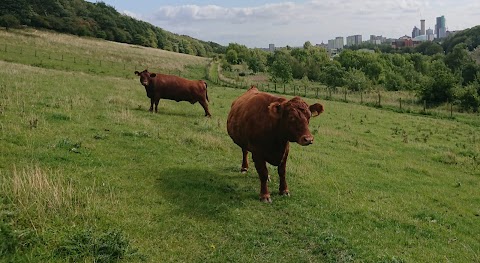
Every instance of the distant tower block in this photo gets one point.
(422, 27)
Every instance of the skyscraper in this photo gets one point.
(339, 43)
(271, 47)
(354, 40)
(422, 27)
(415, 32)
(440, 27)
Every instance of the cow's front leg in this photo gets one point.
(244, 161)
(283, 188)
(262, 171)
(156, 104)
(151, 105)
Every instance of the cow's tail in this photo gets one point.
(206, 91)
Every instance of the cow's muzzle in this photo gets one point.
(306, 140)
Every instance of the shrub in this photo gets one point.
(469, 97)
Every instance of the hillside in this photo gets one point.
(87, 174)
(99, 20)
(470, 37)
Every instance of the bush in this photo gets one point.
(9, 21)
(469, 97)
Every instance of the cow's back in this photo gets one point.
(249, 120)
(179, 89)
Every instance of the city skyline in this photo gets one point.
(259, 23)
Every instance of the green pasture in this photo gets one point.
(87, 174)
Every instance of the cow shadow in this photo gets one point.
(203, 193)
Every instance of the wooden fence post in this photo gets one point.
(379, 100)
(361, 97)
(345, 97)
(400, 103)
(451, 110)
(283, 88)
(294, 90)
(425, 106)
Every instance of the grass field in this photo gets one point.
(87, 174)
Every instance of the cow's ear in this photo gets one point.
(316, 109)
(275, 109)
(153, 75)
(137, 73)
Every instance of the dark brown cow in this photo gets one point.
(264, 125)
(161, 86)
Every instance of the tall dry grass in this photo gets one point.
(27, 41)
(38, 195)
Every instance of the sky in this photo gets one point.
(263, 22)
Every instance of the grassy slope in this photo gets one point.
(375, 185)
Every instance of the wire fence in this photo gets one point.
(397, 101)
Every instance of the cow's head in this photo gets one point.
(145, 77)
(294, 116)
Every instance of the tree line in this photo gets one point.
(437, 72)
(99, 20)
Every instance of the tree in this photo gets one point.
(307, 45)
(281, 69)
(232, 56)
(440, 86)
(456, 59)
(356, 80)
(469, 97)
(257, 60)
(333, 75)
(9, 21)
(429, 48)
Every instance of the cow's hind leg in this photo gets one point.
(244, 161)
(205, 108)
(262, 171)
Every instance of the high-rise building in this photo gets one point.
(354, 40)
(331, 44)
(339, 42)
(422, 27)
(430, 35)
(415, 32)
(271, 47)
(377, 40)
(440, 27)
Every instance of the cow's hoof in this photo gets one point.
(266, 200)
(244, 170)
(284, 193)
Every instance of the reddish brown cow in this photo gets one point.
(264, 125)
(161, 86)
